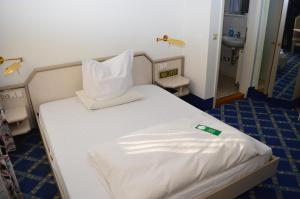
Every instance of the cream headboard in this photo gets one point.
(61, 81)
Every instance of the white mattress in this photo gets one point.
(71, 130)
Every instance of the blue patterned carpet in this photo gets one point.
(277, 127)
(286, 78)
(32, 167)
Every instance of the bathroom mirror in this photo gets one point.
(239, 7)
(279, 73)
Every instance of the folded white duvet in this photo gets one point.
(160, 161)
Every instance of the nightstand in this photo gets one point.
(18, 120)
(17, 110)
(177, 82)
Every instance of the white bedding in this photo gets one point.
(164, 159)
(71, 130)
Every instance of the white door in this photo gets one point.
(249, 57)
(280, 32)
(271, 35)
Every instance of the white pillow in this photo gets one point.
(93, 104)
(108, 79)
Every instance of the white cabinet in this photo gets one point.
(18, 120)
(17, 111)
(169, 74)
(177, 82)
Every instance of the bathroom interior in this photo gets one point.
(233, 41)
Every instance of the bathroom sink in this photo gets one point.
(233, 42)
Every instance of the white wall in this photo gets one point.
(59, 31)
(197, 35)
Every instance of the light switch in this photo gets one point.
(215, 36)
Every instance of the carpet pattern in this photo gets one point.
(32, 167)
(286, 78)
(277, 127)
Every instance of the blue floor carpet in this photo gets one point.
(286, 78)
(277, 127)
(32, 167)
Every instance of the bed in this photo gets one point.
(68, 130)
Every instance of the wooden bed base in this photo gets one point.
(68, 80)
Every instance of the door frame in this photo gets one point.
(255, 7)
(261, 41)
(251, 48)
(275, 62)
(218, 53)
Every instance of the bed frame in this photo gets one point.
(67, 79)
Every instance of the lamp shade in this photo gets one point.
(12, 68)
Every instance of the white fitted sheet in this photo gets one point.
(71, 130)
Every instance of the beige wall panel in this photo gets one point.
(51, 85)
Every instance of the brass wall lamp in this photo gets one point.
(13, 67)
(171, 41)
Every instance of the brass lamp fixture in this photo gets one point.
(13, 67)
(171, 41)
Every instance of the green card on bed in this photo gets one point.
(208, 129)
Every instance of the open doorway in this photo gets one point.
(287, 74)
(233, 41)
(279, 75)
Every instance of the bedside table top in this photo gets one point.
(173, 82)
(16, 114)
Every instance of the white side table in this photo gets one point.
(177, 82)
(18, 120)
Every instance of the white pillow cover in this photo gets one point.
(93, 104)
(108, 79)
